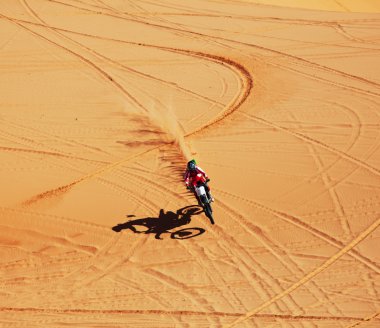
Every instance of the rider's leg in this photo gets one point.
(209, 192)
(196, 196)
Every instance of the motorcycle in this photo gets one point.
(200, 188)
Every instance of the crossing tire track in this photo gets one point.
(101, 72)
(281, 254)
(315, 142)
(306, 227)
(118, 64)
(363, 235)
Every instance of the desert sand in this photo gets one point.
(102, 103)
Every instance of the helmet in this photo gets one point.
(191, 165)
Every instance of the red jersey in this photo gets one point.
(189, 175)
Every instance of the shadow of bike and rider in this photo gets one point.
(164, 223)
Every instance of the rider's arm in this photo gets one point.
(187, 177)
(202, 172)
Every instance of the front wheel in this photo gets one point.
(208, 212)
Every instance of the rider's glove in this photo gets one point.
(207, 180)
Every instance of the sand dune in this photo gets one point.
(102, 104)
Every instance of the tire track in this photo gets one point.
(293, 57)
(246, 83)
(230, 246)
(373, 301)
(184, 290)
(53, 239)
(88, 62)
(26, 142)
(362, 204)
(325, 80)
(263, 273)
(99, 274)
(220, 14)
(367, 155)
(60, 139)
(270, 50)
(339, 209)
(64, 188)
(368, 319)
(82, 249)
(308, 228)
(103, 250)
(76, 222)
(26, 264)
(295, 318)
(363, 235)
(215, 275)
(243, 74)
(52, 163)
(245, 80)
(111, 244)
(48, 153)
(217, 59)
(227, 61)
(153, 296)
(243, 262)
(315, 142)
(117, 64)
(324, 168)
(179, 29)
(159, 19)
(116, 186)
(340, 29)
(183, 26)
(370, 285)
(325, 68)
(280, 253)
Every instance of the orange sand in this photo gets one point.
(102, 103)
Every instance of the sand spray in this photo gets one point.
(165, 119)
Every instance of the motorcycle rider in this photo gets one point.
(191, 172)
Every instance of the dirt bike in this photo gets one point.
(204, 199)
